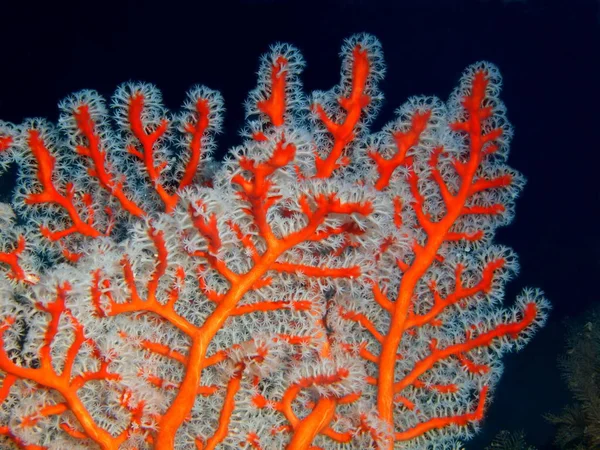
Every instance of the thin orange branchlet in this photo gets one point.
(324, 287)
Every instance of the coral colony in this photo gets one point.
(324, 287)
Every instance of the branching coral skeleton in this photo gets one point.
(324, 287)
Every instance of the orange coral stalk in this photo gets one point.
(321, 283)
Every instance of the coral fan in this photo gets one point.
(324, 287)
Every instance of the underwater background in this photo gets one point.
(548, 52)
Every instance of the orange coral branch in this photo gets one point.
(197, 131)
(148, 140)
(441, 422)
(46, 376)
(404, 142)
(228, 405)
(274, 106)
(11, 258)
(49, 194)
(343, 133)
(436, 233)
(98, 156)
(485, 339)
